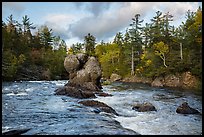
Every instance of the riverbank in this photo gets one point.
(184, 81)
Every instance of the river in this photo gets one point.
(32, 104)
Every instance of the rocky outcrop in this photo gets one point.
(144, 107)
(84, 76)
(184, 108)
(100, 106)
(185, 80)
(138, 79)
(46, 75)
(188, 80)
(115, 77)
(172, 81)
(86, 72)
(158, 82)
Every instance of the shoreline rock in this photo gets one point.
(115, 77)
(184, 81)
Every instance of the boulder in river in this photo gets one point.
(144, 107)
(74, 92)
(84, 71)
(84, 76)
(184, 108)
(99, 105)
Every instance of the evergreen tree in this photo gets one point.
(136, 39)
(89, 43)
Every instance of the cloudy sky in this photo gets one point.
(73, 20)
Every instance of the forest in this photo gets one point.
(155, 49)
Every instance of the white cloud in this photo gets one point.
(12, 8)
(102, 19)
(178, 9)
(109, 21)
(60, 19)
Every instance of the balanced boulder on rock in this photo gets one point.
(84, 76)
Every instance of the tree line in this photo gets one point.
(155, 49)
(22, 50)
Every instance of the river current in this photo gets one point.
(32, 104)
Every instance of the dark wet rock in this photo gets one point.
(99, 105)
(184, 108)
(103, 94)
(144, 107)
(15, 132)
(97, 110)
(74, 92)
(166, 96)
(115, 77)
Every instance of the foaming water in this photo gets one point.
(164, 121)
(32, 104)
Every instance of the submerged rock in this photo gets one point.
(99, 105)
(184, 108)
(103, 94)
(144, 107)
